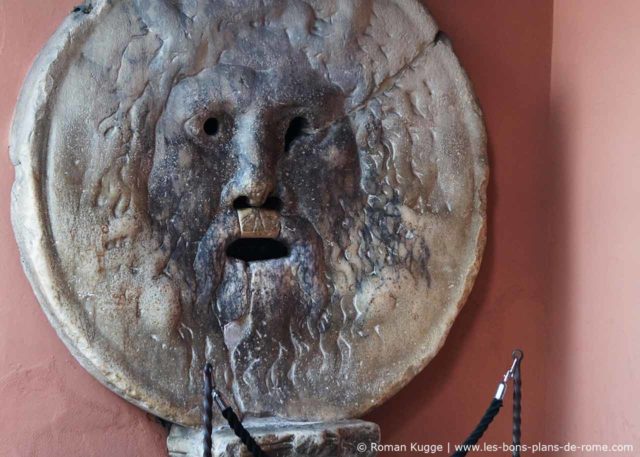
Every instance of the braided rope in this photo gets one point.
(207, 417)
(517, 409)
(242, 433)
(488, 417)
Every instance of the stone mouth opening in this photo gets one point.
(257, 249)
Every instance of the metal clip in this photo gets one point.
(502, 387)
(219, 401)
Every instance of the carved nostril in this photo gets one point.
(272, 203)
(241, 203)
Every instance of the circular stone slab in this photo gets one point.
(294, 190)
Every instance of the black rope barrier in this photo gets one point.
(211, 395)
(207, 414)
(494, 408)
(517, 403)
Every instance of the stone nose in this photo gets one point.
(255, 177)
(252, 191)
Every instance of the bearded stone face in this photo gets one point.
(254, 175)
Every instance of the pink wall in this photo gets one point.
(557, 279)
(595, 309)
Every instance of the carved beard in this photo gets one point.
(269, 312)
(276, 329)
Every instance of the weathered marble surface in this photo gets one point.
(349, 438)
(152, 135)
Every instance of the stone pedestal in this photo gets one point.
(349, 438)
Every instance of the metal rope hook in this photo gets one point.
(515, 366)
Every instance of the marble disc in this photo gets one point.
(293, 190)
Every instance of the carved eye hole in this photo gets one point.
(211, 126)
(298, 127)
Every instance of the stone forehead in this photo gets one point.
(356, 45)
(237, 86)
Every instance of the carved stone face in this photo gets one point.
(238, 189)
(293, 190)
